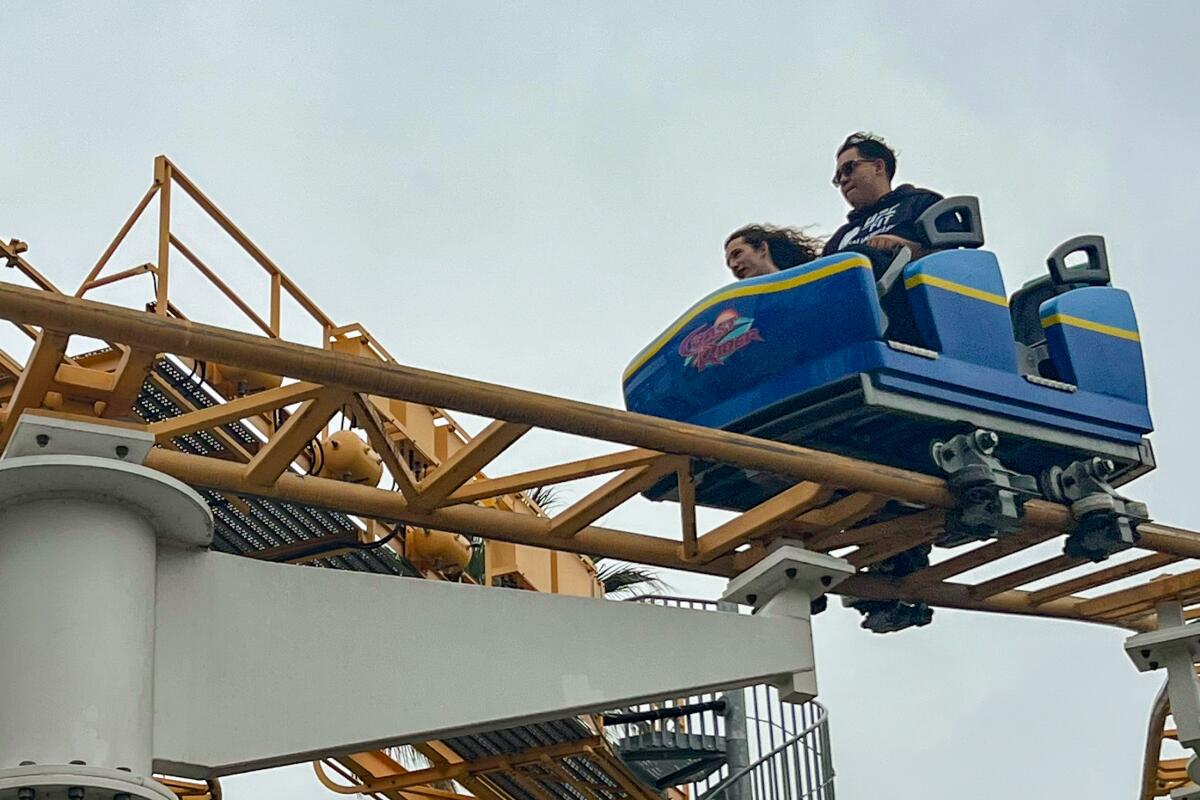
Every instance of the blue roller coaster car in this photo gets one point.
(1043, 393)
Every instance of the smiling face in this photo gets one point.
(747, 261)
(861, 181)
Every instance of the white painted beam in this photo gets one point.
(258, 664)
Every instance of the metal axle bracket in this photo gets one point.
(991, 497)
(1106, 522)
(889, 616)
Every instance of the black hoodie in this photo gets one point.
(895, 213)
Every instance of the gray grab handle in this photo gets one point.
(1094, 273)
(964, 212)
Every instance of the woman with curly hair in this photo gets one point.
(754, 250)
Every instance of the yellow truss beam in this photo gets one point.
(439, 753)
(210, 343)
(342, 375)
(466, 462)
(10, 365)
(1141, 599)
(478, 768)
(763, 517)
(1029, 574)
(880, 531)
(35, 380)
(548, 476)
(130, 376)
(223, 287)
(93, 384)
(239, 408)
(469, 520)
(686, 487)
(192, 790)
(1101, 577)
(301, 427)
(985, 554)
(926, 530)
(836, 516)
(368, 417)
(608, 496)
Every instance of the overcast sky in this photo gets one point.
(528, 192)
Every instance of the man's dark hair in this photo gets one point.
(871, 146)
(789, 247)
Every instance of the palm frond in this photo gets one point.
(477, 565)
(546, 498)
(621, 579)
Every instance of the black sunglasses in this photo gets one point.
(843, 171)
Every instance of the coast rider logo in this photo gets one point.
(709, 345)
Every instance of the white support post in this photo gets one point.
(1175, 646)
(78, 550)
(784, 584)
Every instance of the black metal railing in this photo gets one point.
(799, 767)
(769, 750)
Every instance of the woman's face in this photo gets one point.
(746, 261)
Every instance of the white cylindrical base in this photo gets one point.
(78, 551)
(56, 783)
(77, 626)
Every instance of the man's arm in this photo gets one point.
(887, 241)
(913, 208)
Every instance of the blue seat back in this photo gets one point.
(1093, 338)
(961, 308)
(738, 336)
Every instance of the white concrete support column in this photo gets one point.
(78, 548)
(1175, 647)
(784, 584)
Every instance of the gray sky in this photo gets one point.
(526, 193)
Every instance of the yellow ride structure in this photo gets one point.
(360, 464)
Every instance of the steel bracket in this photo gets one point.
(41, 434)
(991, 497)
(1105, 522)
(889, 616)
(785, 584)
(789, 569)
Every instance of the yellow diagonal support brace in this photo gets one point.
(131, 374)
(466, 462)
(370, 420)
(35, 379)
(764, 516)
(612, 494)
(239, 408)
(275, 456)
(548, 476)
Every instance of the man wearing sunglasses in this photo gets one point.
(881, 219)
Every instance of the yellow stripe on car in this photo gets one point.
(854, 262)
(957, 288)
(1087, 324)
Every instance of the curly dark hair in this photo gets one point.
(872, 146)
(789, 247)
